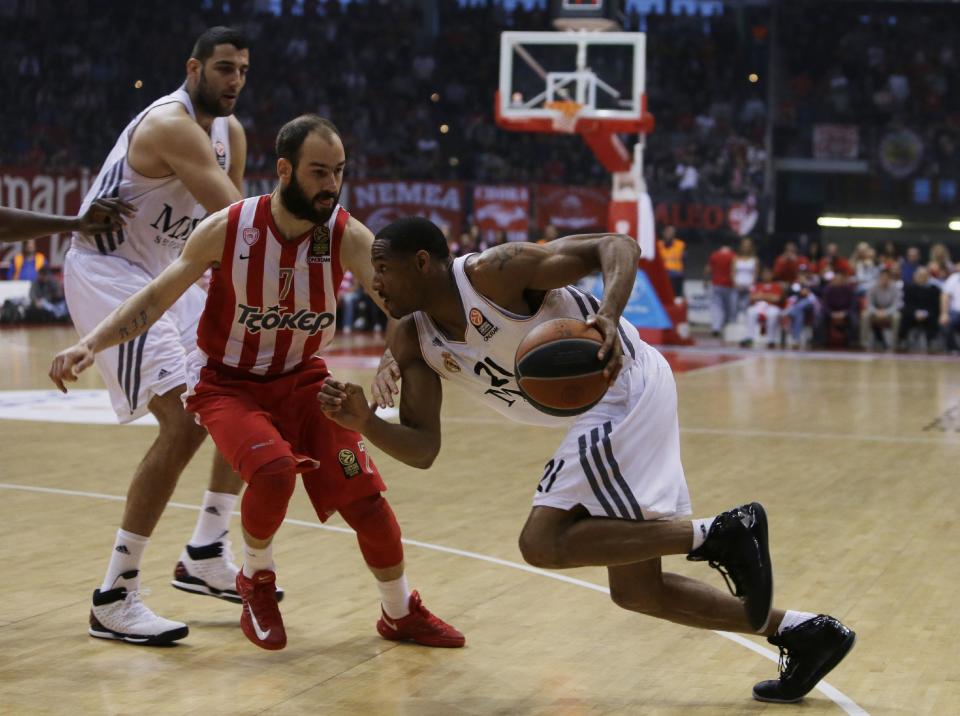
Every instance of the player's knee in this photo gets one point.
(264, 504)
(177, 426)
(542, 550)
(281, 466)
(378, 532)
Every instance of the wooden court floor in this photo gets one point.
(855, 458)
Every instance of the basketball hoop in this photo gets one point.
(565, 113)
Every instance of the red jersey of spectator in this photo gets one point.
(837, 264)
(721, 267)
(787, 268)
(769, 291)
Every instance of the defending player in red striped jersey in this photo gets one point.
(277, 262)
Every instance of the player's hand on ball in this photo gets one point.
(384, 385)
(103, 215)
(345, 404)
(68, 364)
(610, 347)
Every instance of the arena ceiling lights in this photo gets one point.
(861, 222)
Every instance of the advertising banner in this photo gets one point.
(502, 208)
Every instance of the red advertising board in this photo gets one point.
(376, 203)
(60, 192)
(502, 208)
(572, 209)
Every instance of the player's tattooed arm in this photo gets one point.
(502, 255)
(139, 321)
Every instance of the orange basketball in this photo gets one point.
(557, 367)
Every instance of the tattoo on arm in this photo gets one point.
(138, 322)
(503, 254)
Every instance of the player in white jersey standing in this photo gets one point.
(277, 262)
(180, 158)
(614, 493)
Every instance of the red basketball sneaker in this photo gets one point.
(261, 621)
(420, 626)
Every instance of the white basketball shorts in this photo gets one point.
(151, 364)
(621, 458)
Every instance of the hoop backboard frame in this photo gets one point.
(579, 83)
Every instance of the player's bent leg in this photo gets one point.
(403, 616)
(206, 565)
(645, 588)
(736, 544)
(553, 538)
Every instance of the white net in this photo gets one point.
(565, 115)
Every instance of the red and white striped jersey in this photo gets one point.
(272, 303)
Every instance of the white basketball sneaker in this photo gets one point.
(210, 570)
(119, 613)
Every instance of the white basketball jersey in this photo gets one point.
(483, 363)
(166, 211)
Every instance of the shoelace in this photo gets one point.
(786, 664)
(133, 604)
(730, 579)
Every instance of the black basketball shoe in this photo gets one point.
(808, 652)
(737, 547)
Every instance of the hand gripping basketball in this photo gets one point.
(557, 367)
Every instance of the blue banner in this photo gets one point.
(644, 309)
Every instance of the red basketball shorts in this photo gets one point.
(256, 421)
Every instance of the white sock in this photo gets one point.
(700, 530)
(214, 520)
(395, 597)
(127, 552)
(255, 560)
(792, 619)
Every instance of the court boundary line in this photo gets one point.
(831, 692)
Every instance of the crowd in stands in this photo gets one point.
(68, 93)
(875, 299)
(881, 69)
(44, 301)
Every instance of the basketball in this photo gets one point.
(557, 367)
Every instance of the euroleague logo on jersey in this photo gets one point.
(255, 319)
(319, 246)
(483, 326)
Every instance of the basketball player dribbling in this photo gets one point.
(278, 261)
(614, 494)
(181, 157)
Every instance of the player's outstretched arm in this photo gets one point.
(102, 216)
(135, 315)
(416, 440)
